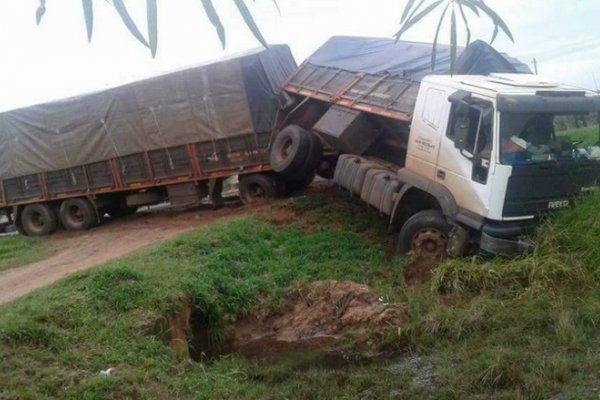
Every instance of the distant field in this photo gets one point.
(16, 251)
(589, 135)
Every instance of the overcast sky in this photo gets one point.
(54, 60)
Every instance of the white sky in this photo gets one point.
(54, 60)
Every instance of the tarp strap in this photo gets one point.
(162, 137)
(62, 146)
(112, 142)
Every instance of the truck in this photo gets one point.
(460, 161)
(172, 137)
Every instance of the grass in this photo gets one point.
(16, 251)
(526, 328)
(589, 135)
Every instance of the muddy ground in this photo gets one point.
(77, 251)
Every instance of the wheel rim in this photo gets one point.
(286, 149)
(76, 214)
(37, 221)
(256, 192)
(429, 243)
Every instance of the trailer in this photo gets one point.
(173, 137)
(458, 163)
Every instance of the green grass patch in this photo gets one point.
(504, 329)
(16, 251)
(588, 135)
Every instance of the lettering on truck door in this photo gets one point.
(427, 128)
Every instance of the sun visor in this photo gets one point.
(568, 104)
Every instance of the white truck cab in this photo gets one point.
(492, 142)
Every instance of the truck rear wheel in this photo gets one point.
(258, 187)
(77, 214)
(425, 234)
(295, 152)
(39, 220)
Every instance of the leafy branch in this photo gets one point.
(152, 14)
(415, 11)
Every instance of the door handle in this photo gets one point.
(441, 174)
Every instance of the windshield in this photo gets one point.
(539, 137)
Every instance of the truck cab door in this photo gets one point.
(465, 159)
(428, 127)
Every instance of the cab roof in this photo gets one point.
(513, 84)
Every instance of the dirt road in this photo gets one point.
(76, 251)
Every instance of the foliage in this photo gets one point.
(152, 15)
(415, 11)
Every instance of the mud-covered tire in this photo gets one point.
(290, 151)
(78, 214)
(256, 188)
(425, 234)
(39, 220)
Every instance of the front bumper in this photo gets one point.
(507, 239)
(506, 247)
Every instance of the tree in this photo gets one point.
(152, 14)
(415, 12)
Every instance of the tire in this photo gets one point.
(315, 154)
(39, 220)
(289, 150)
(77, 214)
(257, 188)
(425, 234)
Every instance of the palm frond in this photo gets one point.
(152, 13)
(249, 20)
(88, 14)
(435, 39)
(39, 13)
(214, 19)
(131, 26)
(409, 23)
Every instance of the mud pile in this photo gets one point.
(317, 316)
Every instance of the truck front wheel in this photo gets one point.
(39, 220)
(425, 234)
(78, 214)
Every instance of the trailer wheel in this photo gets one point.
(258, 187)
(289, 150)
(77, 214)
(425, 234)
(39, 220)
